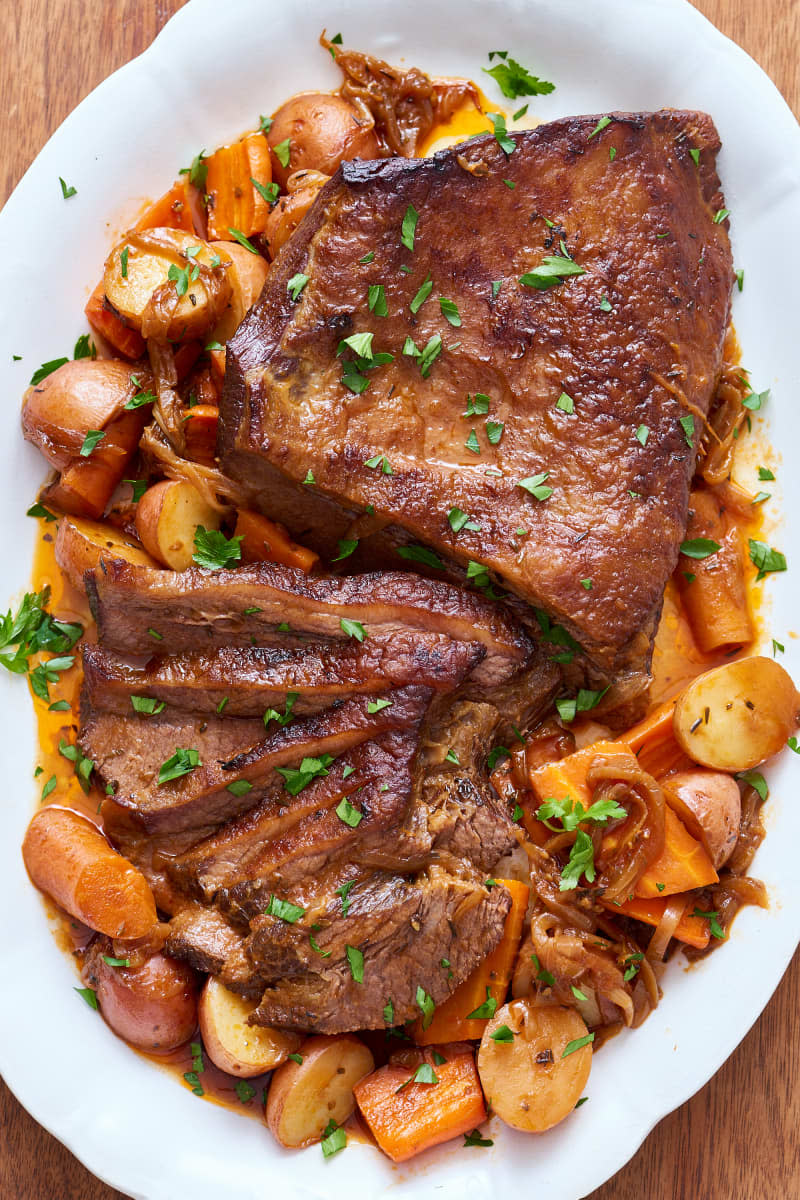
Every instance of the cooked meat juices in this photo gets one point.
(467, 417)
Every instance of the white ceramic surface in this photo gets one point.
(205, 79)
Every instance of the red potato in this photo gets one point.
(527, 1080)
(80, 545)
(304, 1096)
(734, 717)
(67, 857)
(82, 395)
(167, 517)
(185, 304)
(247, 275)
(710, 806)
(152, 1006)
(233, 1045)
(323, 131)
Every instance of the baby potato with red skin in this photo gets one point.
(323, 130)
(153, 1005)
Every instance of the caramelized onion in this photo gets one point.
(665, 929)
(613, 777)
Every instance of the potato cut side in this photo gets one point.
(247, 275)
(167, 517)
(738, 715)
(233, 1045)
(306, 1095)
(80, 545)
(526, 1078)
(153, 280)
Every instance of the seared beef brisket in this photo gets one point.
(372, 815)
(631, 329)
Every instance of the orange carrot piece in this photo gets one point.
(233, 201)
(421, 1115)
(450, 1021)
(267, 541)
(186, 356)
(172, 211)
(694, 931)
(217, 359)
(87, 484)
(653, 742)
(567, 778)
(681, 866)
(68, 858)
(110, 325)
(200, 427)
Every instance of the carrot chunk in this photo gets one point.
(406, 1117)
(87, 484)
(267, 541)
(694, 931)
(126, 341)
(233, 200)
(681, 866)
(172, 211)
(489, 980)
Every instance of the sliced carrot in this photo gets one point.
(406, 1118)
(172, 211)
(694, 931)
(186, 356)
(233, 201)
(682, 865)
(653, 742)
(567, 778)
(217, 358)
(110, 325)
(87, 484)
(490, 979)
(267, 541)
(201, 433)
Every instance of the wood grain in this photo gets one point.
(738, 1138)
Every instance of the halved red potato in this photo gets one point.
(304, 1096)
(233, 1045)
(167, 517)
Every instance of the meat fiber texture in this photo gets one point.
(634, 341)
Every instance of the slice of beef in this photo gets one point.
(401, 929)
(635, 341)
(245, 682)
(203, 797)
(288, 841)
(204, 610)
(203, 938)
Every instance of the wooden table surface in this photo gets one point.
(738, 1138)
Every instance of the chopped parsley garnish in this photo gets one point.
(565, 403)
(765, 475)
(602, 124)
(388, 1013)
(296, 284)
(409, 227)
(571, 813)
(67, 191)
(46, 369)
(485, 1011)
(296, 778)
(421, 554)
(347, 813)
(631, 965)
(536, 485)
(239, 787)
(502, 1034)
(514, 80)
(715, 928)
(496, 285)
(284, 910)
(147, 705)
(755, 400)
(755, 780)
(115, 962)
(355, 960)
(334, 1139)
(452, 757)
(353, 629)
(244, 1091)
(642, 434)
(345, 546)
(282, 151)
(519, 113)
(583, 702)
(475, 1138)
(699, 547)
(506, 144)
(450, 311)
(552, 270)
(494, 432)
(379, 460)
(777, 648)
(423, 292)
(494, 756)
(430, 352)
(89, 995)
(344, 893)
(586, 584)
(140, 398)
(720, 216)
(605, 304)
(695, 155)
(687, 425)
(197, 171)
(376, 300)
(571, 1047)
(426, 1006)
(49, 787)
(213, 550)
(84, 347)
(545, 976)
(138, 488)
(92, 440)
(368, 257)
(238, 236)
(182, 762)
(39, 510)
(765, 559)
(477, 405)
(268, 192)
(460, 520)
(472, 442)
(740, 280)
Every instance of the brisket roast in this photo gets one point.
(604, 278)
